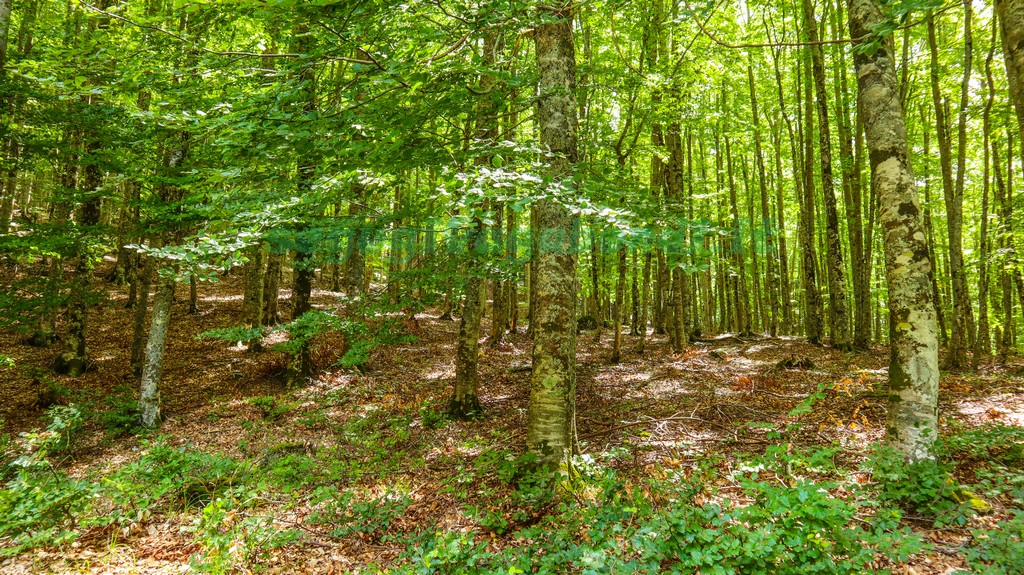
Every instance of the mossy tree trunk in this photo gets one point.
(550, 433)
(1011, 19)
(912, 423)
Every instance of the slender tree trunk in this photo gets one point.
(355, 256)
(957, 352)
(850, 148)
(739, 276)
(929, 231)
(299, 368)
(914, 366)
(74, 360)
(786, 321)
(550, 429)
(634, 296)
(809, 263)
(982, 342)
(839, 313)
(646, 303)
(620, 305)
(145, 282)
(1006, 260)
(771, 280)
(465, 403)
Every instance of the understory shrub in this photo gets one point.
(678, 524)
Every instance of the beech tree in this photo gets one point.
(914, 366)
(551, 419)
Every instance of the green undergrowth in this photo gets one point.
(454, 502)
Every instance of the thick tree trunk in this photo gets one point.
(1011, 19)
(550, 430)
(149, 398)
(271, 289)
(914, 366)
(252, 304)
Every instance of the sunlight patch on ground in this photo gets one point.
(445, 372)
(1006, 408)
(222, 297)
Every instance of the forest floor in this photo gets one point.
(377, 441)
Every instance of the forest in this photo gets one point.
(511, 286)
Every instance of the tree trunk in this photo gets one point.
(839, 312)
(145, 281)
(620, 304)
(73, 361)
(957, 352)
(771, 280)
(809, 263)
(1005, 243)
(271, 289)
(355, 256)
(634, 317)
(645, 303)
(551, 416)
(914, 365)
(1011, 19)
(982, 342)
(149, 398)
(465, 403)
(252, 304)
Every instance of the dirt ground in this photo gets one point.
(678, 407)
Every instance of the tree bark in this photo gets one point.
(271, 289)
(145, 281)
(252, 304)
(1011, 19)
(809, 263)
(912, 424)
(152, 370)
(551, 415)
(839, 312)
(957, 351)
(983, 342)
(74, 359)
(771, 280)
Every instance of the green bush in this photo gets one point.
(998, 551)
(172, 478)
(269, 407)
(924, 488)
(356, 512)
(122, 416)
(40, 505)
